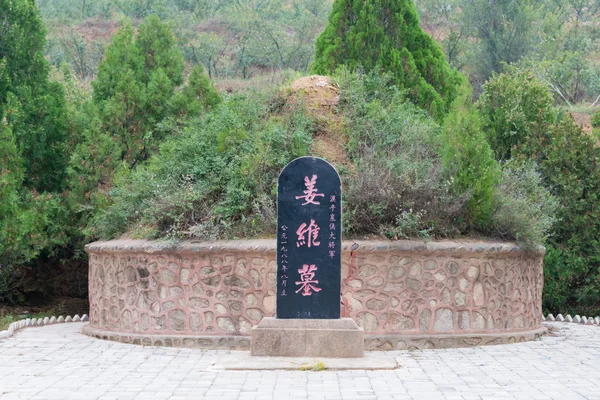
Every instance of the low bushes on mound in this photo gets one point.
(216, 176)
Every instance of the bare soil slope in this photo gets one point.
(320, 95)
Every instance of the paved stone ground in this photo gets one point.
(58, 362)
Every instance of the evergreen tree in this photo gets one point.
(21, 223)
(134, 93)
(37, 114)
(468, 159)
(11, 178)
(135, 83)
(385, 35)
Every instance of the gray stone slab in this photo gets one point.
(243, 361)
(334, 338)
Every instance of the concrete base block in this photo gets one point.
(335, 338)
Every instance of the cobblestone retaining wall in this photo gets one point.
(404, 294)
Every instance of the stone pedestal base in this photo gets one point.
(335, 338)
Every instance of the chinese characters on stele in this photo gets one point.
(309, 194)
(307, 234)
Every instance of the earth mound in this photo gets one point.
(321, 96)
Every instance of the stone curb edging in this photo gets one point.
(576, 320)
(15, 326)
(449, 341)
(372, 342)
(187, 341)
(24, 323)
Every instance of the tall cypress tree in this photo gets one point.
(385, 35)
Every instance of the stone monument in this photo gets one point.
(309, 245)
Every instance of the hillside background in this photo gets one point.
(246, 43)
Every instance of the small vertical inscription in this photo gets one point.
(309, 240)
(282, 251)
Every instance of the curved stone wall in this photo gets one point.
(404, 294)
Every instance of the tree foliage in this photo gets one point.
(215, 177)
(134, 93)
(386, 36)
(469, 161)
(515, 106)
(35, 107)
(230, 38)
(504, 31)
(135, 83)
(557, 39)
(569, 163)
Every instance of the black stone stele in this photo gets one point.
(309, 240)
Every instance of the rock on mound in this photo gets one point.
(318, 93)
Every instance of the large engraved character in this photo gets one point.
(311, 192)
(307, 280)
(308, 234)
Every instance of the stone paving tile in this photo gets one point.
(58, 362)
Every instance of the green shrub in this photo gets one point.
(595, 120)
(17, 216)
(468, 161)
(135, 84)
(514, 106)
(569, 162)
(523, 209)
(557, 282)
(134, 95)
(30, 224)
(198, 96)
(396, 148)
(522, 124)
(215, 177)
